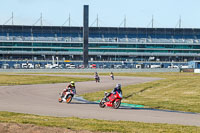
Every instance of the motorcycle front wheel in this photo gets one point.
(69, 98)
(60, 100)
(116, 104)
(101, 104)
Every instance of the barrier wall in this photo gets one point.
(88, 70)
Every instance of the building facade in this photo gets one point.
(105, 43)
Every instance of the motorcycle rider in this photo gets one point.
(116, 89)
(96, 77)
(112, 75)
(70, 86)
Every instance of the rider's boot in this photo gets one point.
(107, 99)
(64, 98)
(104, 99)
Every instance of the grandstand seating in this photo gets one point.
(106, 42)
(133, 38)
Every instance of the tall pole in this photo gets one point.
(124, 21)
(97, 21)
(180, 22)
(12, 19)
(69, 20)
(152, 21)
(85, 34)
(41, 20)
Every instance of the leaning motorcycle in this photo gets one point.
(113, 100)
(69, 95)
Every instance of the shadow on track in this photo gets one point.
(83, 101)
(174, 111)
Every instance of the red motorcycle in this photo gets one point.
(113, 100)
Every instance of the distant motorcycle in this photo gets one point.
(112, 77)
(69, 95)
(97, 79)
(113, 100)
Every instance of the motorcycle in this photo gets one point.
(97, 79)
(113, 100)
(69, 95)
(112, 77)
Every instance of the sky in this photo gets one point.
(111, 13)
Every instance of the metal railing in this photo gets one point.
(98, 39)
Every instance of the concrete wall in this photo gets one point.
(87, 70)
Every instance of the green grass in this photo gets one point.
(177, 91)
(78, 124)
(36, 79)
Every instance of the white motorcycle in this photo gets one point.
(67, 96)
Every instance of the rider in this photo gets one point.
(116, 89)
(70, 86)
(112, 75)
(96, 77)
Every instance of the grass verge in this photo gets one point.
(78, 124)
(177, 91)
(36, 79)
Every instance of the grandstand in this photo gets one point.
(19, 42)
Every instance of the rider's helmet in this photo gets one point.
(72, 83)
(118, 86)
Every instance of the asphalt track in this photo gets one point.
(43, 100)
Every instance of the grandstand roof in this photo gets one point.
(99, 30)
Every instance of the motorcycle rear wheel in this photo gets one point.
(69, 98)
(101, 104)
(116, 104)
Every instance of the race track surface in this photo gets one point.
(43, 100)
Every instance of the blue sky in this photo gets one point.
(111, 12)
